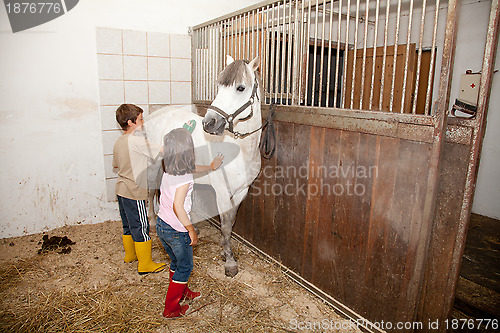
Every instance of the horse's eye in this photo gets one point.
(240, 88)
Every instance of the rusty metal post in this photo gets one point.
(477, 142)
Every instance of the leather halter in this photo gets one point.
(231, 117)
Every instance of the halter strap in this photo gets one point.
(230, 117)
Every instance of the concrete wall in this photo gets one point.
(51, 138)
(469, 55)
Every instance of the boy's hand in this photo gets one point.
(194, 237)
(217, 162)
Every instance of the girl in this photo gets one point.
(174, 227)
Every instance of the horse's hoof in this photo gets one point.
(231, 271)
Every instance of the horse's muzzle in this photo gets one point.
(214, 125)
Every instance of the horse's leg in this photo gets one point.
(228, 218)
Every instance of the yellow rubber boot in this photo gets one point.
(128, 245)
(146, 264)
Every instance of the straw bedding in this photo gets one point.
(91, 289)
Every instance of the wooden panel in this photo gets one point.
(355, 231)
(444, 232)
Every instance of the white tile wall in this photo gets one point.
(108, 139)
(110, 189)
(180, 46)
(181, 69)
(110, 66)
(109, 41)
(158, 44)
(135, 68)
(108, 166)
(111, 92)
(147, 69)
(181, 92)
(136, 92)
(159, 68)
(134, 42)
(108, 118)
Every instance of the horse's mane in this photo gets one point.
(236, 72)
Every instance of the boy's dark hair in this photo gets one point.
(126, 112)
(178, 153)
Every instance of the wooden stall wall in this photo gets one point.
(438, 289)
(343, 210)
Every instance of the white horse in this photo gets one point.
(232, 126)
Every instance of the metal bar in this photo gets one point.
(386, 30)
(261, 52)
(200, 56)
(374, 59)
(363, 70)
(261, 4)
(337, 60)
(248, 38)
(326, 11)
(296, 57)
(395, 56)
(239, 39)
(433, 55)
(244, 36)
(477, 142)
(440, 118)
(228, 46)
(355, 55)
(251, 35)
(305, 44)
(255, 48)
(320, 93)
(194, 47)
(272, 82)
(205, 62)
(234, 29)
(283, 54)
(408, 38)
(289, 44)
(313, 87)
(419, 60)
(213, 74)
(210, 60)
(220, 54)
(346, 53)
(278, 55)
(329, 63)
(267, 72)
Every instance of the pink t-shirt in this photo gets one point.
(169, 184)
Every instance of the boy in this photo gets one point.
(130, 156)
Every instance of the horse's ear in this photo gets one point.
(229, 60)
(254, 64)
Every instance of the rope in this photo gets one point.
(268, 137)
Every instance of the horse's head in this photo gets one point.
(238, 90)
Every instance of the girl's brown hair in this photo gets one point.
(178, 154)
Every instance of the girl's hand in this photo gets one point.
(194, 237)
(217, 162)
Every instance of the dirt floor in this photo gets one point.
(91, 289)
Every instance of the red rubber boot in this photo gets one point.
(174, 295)
(188, 293)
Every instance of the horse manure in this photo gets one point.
(55, 243)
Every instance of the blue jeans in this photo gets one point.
(176, 244)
